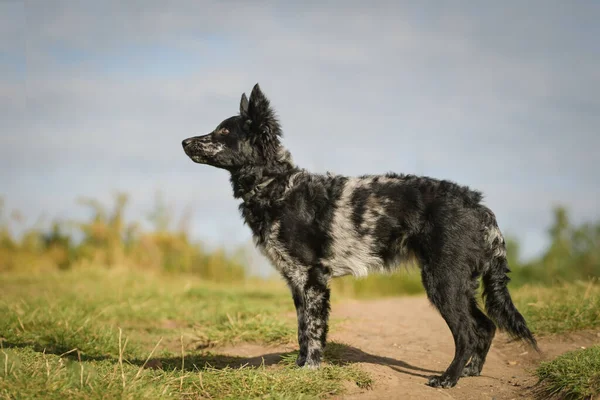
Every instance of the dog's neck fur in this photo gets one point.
(249, 182)
(260, 186)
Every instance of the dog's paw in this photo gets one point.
(311, 365)
(300, 361)
(471, 370)
(441, 381)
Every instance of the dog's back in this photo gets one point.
(357, 225)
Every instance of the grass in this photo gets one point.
(107, 333)
(61, 311)
(559, 309)
(115, 333)
(32, 374)
(573, 375)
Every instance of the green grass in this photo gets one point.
(88, 333)
(61, 311)
(573, 375)
(27, 373)
(560, 309)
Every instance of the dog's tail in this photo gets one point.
(498, 302)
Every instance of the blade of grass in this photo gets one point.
(148, 359)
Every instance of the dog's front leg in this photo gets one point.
(298, 295)
(316, 298)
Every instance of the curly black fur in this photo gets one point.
(313, 227)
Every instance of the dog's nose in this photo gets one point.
(186, 142)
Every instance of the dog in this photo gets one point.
(314, 227)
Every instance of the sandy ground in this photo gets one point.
(403, 341)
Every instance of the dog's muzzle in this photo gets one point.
(187, 142)
(201, 149)
(190, 147)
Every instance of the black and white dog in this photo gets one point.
(314, 227)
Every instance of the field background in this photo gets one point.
(108, 240)
(127, 295)
(101, 308)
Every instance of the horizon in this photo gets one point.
(96, 99)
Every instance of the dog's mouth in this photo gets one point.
(198, 159)
(191, 151)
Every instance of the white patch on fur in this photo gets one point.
(388, 179)
(352, 252)
(291, 182)
(212, 149)
(314, 344)
(284, 156)
(491, 234)
(281, 260)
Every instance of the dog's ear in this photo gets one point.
(244, 106)
(264, 124)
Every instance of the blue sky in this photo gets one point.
(95, 97)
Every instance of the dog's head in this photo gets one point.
(248, 139)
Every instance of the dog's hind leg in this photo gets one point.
(451, 295)
(485, 334)
(316, 297)
(298, 295)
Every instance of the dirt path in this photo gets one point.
(402, 341)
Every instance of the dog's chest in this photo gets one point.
(275, 251)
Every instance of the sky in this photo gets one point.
(95, 98)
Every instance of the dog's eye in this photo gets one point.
(223, 131)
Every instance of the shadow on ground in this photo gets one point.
(335, 354)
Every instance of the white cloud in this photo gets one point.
(497, 96)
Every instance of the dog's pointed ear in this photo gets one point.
(244, 106)
(264, 121)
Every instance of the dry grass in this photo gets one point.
(124, 334)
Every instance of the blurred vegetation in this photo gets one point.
(405, 281)
(71, 289)
(573, 254)
(107, 239)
